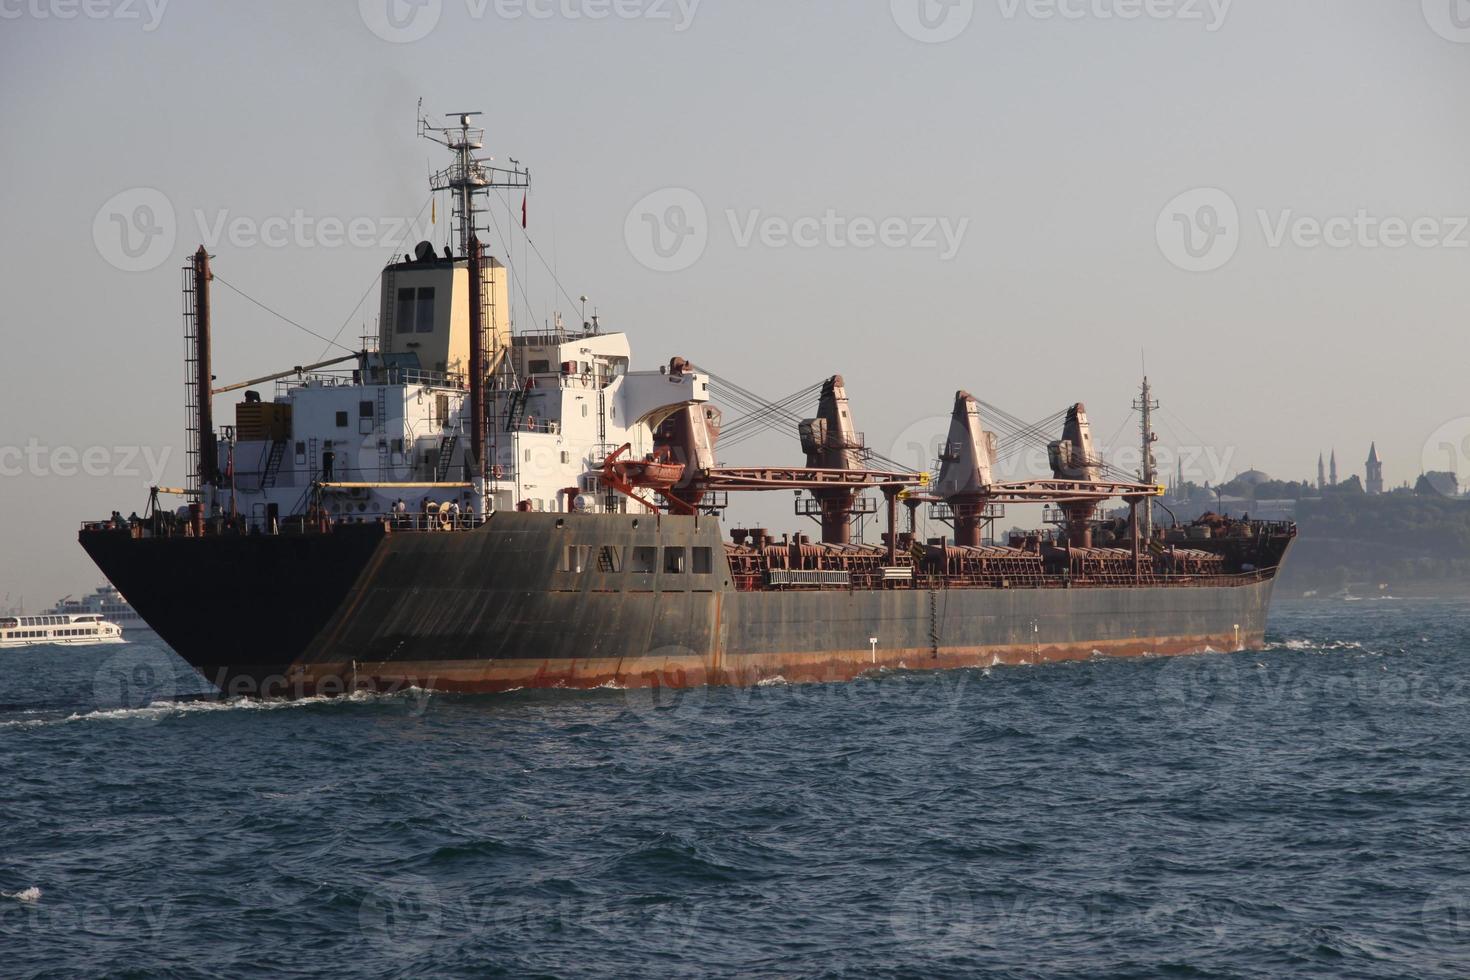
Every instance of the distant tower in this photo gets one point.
(1374, 483)
(1321, 472)
(1332, 468)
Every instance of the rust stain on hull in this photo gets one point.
(501, 676)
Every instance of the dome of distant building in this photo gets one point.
(1253, 478)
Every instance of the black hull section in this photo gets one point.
(236, 607)
(493, 609)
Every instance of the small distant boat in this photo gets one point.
(86, 629)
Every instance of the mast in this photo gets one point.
(1148, 475)
(199, 378)
(477, 362)
(468, 178)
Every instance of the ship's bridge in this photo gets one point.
(424, 320)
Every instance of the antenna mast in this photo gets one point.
(469, 176)
(1146, 405)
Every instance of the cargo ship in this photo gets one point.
(463, 506)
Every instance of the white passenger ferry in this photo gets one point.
(69, 630)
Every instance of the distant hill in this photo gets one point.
(1412, 542)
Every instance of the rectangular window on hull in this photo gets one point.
(610, 559)
(645, 561)
(674, 561)
(574, 558)
(703, 561)
(424, 317)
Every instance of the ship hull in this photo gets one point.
(523, 603)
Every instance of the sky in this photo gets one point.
(1268, 200)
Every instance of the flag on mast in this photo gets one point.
(524, 198)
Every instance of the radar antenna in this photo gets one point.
(470, 175)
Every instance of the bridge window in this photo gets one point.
(415, 313)
(404, 316)
(341, 420)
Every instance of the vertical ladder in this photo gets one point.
(191, 384)
(934, 623)
(513, 413)
(609, 498)
(446, 455)
(380, 426)
(273, 464)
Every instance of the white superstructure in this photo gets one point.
(104, 601)
(390, 433)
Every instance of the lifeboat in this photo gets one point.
(650, 472)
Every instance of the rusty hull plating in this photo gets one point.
(582, 601)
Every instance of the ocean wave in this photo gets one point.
(1318, 645)
(160, 710)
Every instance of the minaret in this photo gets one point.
(1374, 483)
(1332, 468)
(1321, 472)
